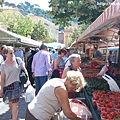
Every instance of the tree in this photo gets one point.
(77, 32)
(39, 32)
(50, 40)
(17, 24)
(1, 2)
(85, 11)
(23, 26)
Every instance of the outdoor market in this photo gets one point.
(95, 54)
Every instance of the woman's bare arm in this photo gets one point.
(2, 83)
(62, 96)
(56, 62)
(66, 69)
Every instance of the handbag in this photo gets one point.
(23, 76)
(56, 73)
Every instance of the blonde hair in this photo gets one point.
(6, 49)
(76, 78)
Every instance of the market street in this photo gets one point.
(5, 113)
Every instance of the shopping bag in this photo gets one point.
(79, 108)
(30, 94)
(103, 71)
(112, 84)
(22, 75)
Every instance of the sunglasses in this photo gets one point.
(11, 53)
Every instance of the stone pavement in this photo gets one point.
(5, 113)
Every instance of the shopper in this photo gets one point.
(110, 57)
(58, 64)
(1, 51)
(41, 67)
(10, 87)
(29, 69)
(54, 95)
(72, 63)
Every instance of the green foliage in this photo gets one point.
(77, 32)
(23, 26)
(50, 40)
(17, 24)
(86, 11)
(26, 8)
(1, 2)
(39, 33)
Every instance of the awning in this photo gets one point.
(55, 45)
(105, 26)
(13, 38)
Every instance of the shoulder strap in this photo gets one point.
(70, 67)
(17, 61)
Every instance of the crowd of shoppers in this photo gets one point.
(37, 65)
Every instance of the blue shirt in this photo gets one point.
(98, 54)
(19, 53)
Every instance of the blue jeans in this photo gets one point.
(39, 82)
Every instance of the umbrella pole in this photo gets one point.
(118, 63)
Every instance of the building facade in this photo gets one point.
(52, 29)
(61, 37)
(68, 32)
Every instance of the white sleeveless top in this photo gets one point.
(45, 104)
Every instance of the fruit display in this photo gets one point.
(104, 104)
(108, 104)
(96, 84)
(90, 72)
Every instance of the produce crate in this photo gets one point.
(98, 84)
(108, 104)
(93, 110)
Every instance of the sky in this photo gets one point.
(42, 3)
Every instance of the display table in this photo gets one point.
(92, 109)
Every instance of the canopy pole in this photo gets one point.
(119, 48)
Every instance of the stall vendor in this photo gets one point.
(97, 54)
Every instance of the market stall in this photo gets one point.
(10, 38)
(102, 95)
(104, 30)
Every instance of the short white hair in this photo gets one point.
(71, 58)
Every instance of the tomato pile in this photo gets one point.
(90, 72)
(108, 104)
